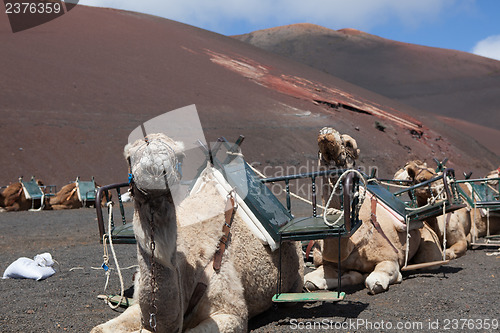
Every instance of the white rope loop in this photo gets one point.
(106, 258)
(360, 194)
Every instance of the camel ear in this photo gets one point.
(351, 144)
(411, 169)
(126, 150)
(179, 147)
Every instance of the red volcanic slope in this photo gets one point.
(73, 89)
(444, 82)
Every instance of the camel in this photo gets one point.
(371, 255)
(458, 222)
(14, 199)
(67, 198)
(182, 257)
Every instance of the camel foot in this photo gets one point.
(384, 274)
(450, 254)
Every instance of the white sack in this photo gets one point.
(25, 268)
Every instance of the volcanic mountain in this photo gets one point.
(459, 88)
(73, 89)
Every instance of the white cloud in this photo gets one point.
(219, 15)
(488, 47)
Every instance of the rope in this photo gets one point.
(487, 221)
(110, 206)
(407, 221)
(444, 231)
(360, 195)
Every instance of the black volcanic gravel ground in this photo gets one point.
(465, 293)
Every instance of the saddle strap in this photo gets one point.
(377, 226)
(226, 237)
(71, 194)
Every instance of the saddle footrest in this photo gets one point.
(115, 299)
(492, 237)
(487, 244)
(328, 296)
(425, 265)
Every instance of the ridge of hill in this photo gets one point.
(434, 81)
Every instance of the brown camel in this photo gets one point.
(458, 222)
(373, 254)
(13, 198)
(67, 198)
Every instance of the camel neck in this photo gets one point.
(156, 220)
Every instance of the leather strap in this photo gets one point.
(226, 237)
(71, 194)
(373, 220)
(309, 248)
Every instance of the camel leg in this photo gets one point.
(13, 208)
(221, 323)
(457, 250)
(429, 248)
(325, 277)
(456, 235)
(385, 273)
(128, 321)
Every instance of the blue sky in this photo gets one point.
(466, 25)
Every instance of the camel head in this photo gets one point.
(336, 149)
(418, 172)
(153, 163)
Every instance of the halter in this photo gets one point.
(157, 170)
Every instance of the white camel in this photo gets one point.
(173, 271)
(376, 251)
(458, 222)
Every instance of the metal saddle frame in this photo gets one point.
(86, 191)
(37, 192)
(483, 196)
(404, 202)
(34, 192)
